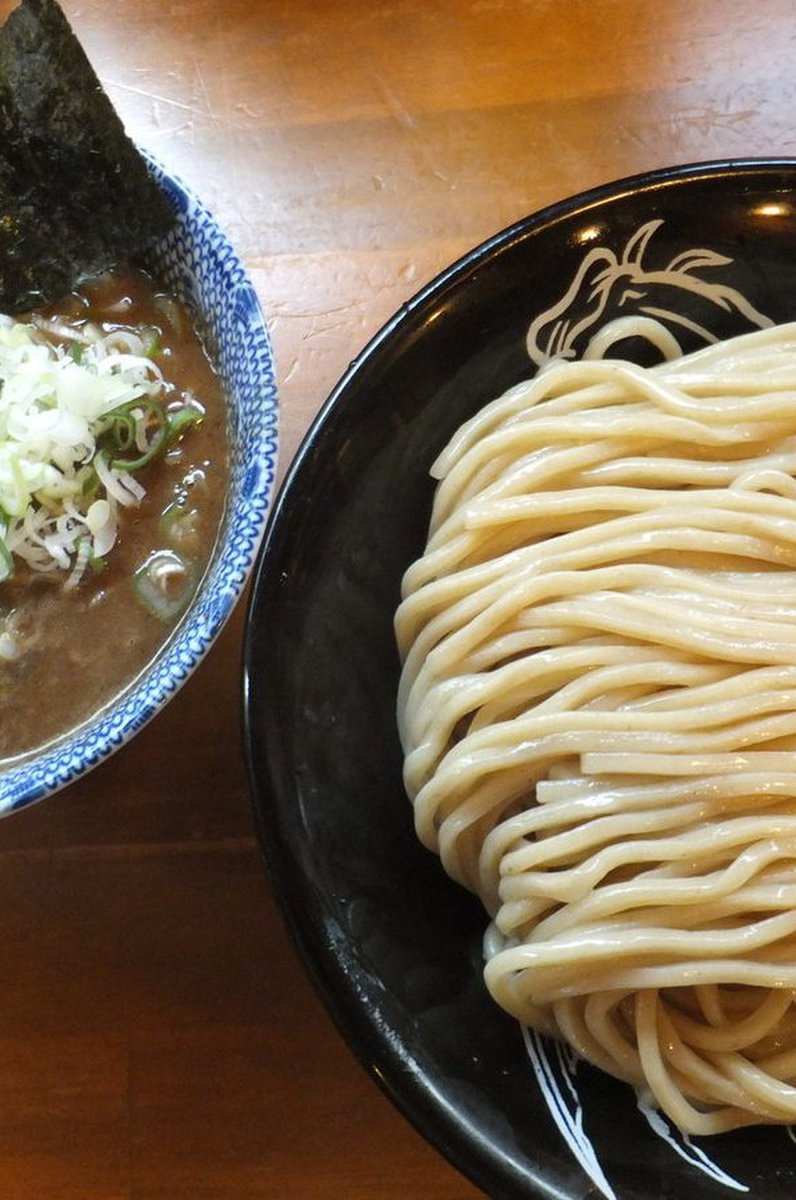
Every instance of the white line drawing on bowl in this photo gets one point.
(555, 1068)
(606, 281)
(683, 1145)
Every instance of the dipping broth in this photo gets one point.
(77, 649)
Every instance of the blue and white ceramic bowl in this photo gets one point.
(199, 266)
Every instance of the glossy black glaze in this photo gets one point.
(393, 947)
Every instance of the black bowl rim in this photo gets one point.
(636, 184)
(329, 964)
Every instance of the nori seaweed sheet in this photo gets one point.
(76, 198)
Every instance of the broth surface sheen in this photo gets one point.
(81, 648)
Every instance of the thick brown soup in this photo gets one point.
(76, 649)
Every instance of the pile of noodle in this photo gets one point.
(598, 713)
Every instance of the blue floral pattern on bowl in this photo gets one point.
(196, 263)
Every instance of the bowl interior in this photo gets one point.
(199, 266)
(393, 946)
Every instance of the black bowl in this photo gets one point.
(392, 945)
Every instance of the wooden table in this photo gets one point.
(159, 1040)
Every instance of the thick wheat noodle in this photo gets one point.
(598, 714)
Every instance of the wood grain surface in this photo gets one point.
(159, 1039)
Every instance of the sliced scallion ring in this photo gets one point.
(181, 420)
(164, 583)
(6, 559)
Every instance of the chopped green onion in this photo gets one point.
(179, 525)
(175, 514)
(164, 583)
(89, 480)
(140, 425)
(181, 420)
(6, 561)
(151, 342)
(78, 418)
